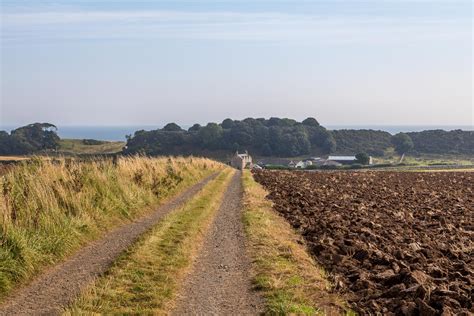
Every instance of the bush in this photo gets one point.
(363, 158)
(92, 142)
(402, 142)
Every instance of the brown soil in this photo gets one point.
(220, 281)
(396, 243)
(58, 287)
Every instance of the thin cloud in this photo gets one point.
(213, 25)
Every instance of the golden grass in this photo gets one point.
(49, 209)
(289, 279)
(147, 278)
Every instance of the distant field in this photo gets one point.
(429, 160)
(77, 146)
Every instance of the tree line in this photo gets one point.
(277, 137)
(283, 137)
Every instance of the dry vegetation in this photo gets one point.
(146, 279)
(51, 208)
(290, 280)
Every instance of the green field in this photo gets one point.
(77, 146)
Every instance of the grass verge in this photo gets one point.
(50, 209)
(284, 272)
(145, 280)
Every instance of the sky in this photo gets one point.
(144, 62)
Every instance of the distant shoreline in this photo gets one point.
(118, 133)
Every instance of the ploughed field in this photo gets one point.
(394, 242)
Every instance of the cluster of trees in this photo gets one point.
(443, 142)
(282, 137)
(264, 137)
(350, 141)
(29, 139)
(375, 143)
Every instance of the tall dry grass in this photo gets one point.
(51, 208)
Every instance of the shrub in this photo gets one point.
(92, 142)
(363, 158)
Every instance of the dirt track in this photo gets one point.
(219, 283)
(60, 285)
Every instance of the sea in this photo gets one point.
(118, 133)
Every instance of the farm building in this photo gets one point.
(241, 161)
(346, 159)
(343, 159)
(303, 164)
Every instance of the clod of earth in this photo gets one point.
(396, 243)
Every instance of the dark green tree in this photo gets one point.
(267, 150)
(196, 127)
(329, 144)
(172, 127)
(402, 143)
(227, 123)
(211, 135)
(29, 139)
(310, 121)
(363, 158)
(36, 137)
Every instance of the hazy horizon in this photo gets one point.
(145, 63)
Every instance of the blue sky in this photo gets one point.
(386, 62)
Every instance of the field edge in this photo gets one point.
(283, 270)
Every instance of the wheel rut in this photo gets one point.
(59, 286)
(219, 283)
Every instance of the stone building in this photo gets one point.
(241, 161)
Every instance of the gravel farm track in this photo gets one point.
(59, 286)
(395, 243)
(219, 283)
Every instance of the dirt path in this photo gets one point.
(60, 285)
(220, 283)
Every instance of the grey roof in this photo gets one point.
(343, 158)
